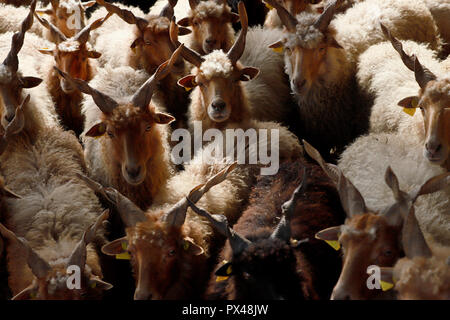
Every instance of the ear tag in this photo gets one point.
(124, 245)
(334, 244)
(223, 278)
(385, 286)
(278, 49)
(268, 6)
(186, 245)
(93, 284)
(188, 88)
(123, 256)
(409, 111)
(41, 13)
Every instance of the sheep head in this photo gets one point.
(310, 49)
(152, 45)
(369, 238)
(266, 266)
(211, 25)
(161, 245)
(72, 54)
(51, 279)
(11, 81)
(434, 102)
(66, 15)
(131, 127)
(218, 75)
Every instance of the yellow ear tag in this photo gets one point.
(40, 13)
(93, 284)
(124, 245)
(221, 278)
(409, 111)
(334, 244)
(186, 245)
(385, 286)
(268, 6)
(32, 295)
(278, 49)
(187, 88)
(123, 256)
(229, 269)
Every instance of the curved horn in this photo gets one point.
(125, 15)
(177, 214)
(142, 97)
(83, 36)
(422, 74)
(105, 103)
(78, 256)
(12, 61)
(236, 51)
(38, 266)
(128, 211)
(325, 18)
(331, 170)
(283, 229)
(53, 29)
(168, 10)
(188, 54)
(286, 17)
(237, 242)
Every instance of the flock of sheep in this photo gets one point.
(93, 207)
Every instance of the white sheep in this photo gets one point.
(12, 18)
(441, 14)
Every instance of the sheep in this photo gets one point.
(441, 14)
(13, 83)
(370, 236)
(150, 46)
(421, 275)
(67, 15)
(12, 17)
(131, 152)
(170, 247)
(381, 64)
(304, 269)
(72, 55)
(211, 23)
(321, 55)
(219, 101)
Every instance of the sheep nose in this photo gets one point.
(340, 295)
(211, 41)
(433, 147)
(133, 172)
(218, 105)
(299, 83)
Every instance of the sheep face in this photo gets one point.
(133, 138)
(434, 101)
(366, 240)
(211, 26)
(152, 46)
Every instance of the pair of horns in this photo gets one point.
(238, 242)
(174, 217)
(39, 266)
(15, 126)
(82, 36)
(235, 52)
(290, 22)
(142, 97)
(422, 74)
(12, 61)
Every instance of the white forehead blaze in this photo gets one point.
(216, 64)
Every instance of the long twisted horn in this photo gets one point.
(125, 15)
(83, 36)
(187, 53)
(142, 97)
(12, 61)
(104, 102)
(236, 51)
(325, 18)
(168, 10)
(286, 17)
(177, 214)
(58, 34)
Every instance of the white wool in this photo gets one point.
(69, 5)
(306, 34)
(5, 74)
(12, 18)
(216, 64)
(441, 14)
(209, 9)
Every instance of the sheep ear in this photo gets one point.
(277, 46)
(25, 294)
(225, 270)
(182, 31)
(88, 4)
(248, 73)
(163, 118)
(97, 130)
(191, 247)
(188, 82)
(46, 51)
(94, 54)
(330, 236)
(333, 43)
(234, 17)
(117, 246)
(409, 102)
(30, 82)
(185, 22)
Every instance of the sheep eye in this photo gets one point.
(148, 43)
(148, 128)
(172, 253)
(388, 253)
(110, 134)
